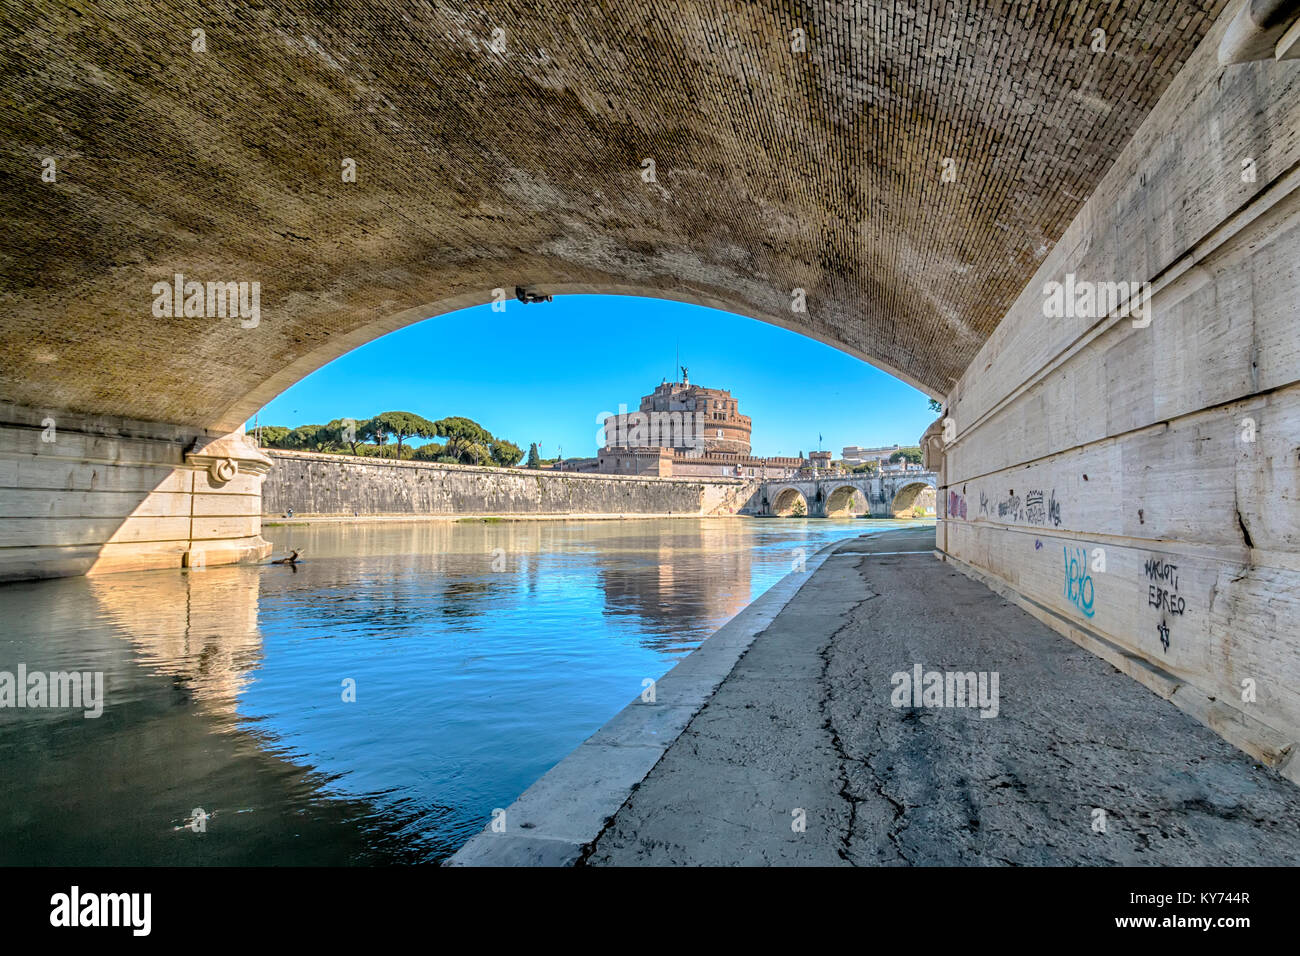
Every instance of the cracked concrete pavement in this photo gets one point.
(805, 722)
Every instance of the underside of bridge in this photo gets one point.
(774, 170)
(904, 182)
(845, 501)
(789, 503)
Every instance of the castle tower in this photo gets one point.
(693, 420)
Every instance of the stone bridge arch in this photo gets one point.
(534, 163)
(846, 500)
(489, 173)
(787, 501)
(909, 495)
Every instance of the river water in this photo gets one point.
(477, 654)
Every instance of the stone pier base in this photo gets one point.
(83, 495)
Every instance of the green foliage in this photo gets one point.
(343, 432)
(307, 438)
(431, 451)
(936, 405)
(466, 451)
(400, 425)
(467, 441)
(798, 511)
(370, 450)
(866, 468)
(534, 460)
(271, 435)
(911, 454)
(505, 453)
(374, 430)
(463, 428)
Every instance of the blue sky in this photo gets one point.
(542, 373)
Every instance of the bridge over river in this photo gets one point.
(1075, 226)
(835, 496)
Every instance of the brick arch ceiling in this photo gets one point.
(487, 159)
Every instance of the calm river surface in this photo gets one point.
(481, 653)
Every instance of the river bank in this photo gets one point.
(397, 685)
(812, 749)
(280, 521)
(346, 486)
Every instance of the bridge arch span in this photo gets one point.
(788, 502)
(846, 501)
(911, 495)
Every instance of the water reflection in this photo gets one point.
(480, 654)
(690, 577)
(176, 651)
(198, 630)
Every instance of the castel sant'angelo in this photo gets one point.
(686, 430)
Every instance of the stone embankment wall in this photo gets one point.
(1136, 481)
(342, 485)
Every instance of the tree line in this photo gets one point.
(463, 441)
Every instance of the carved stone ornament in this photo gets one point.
(227, 456)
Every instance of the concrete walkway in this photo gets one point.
(804, 722)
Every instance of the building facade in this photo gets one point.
(857, 455)
(688, 431)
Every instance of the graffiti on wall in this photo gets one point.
(1162, 594)
(1079, 589)
(956, 505)
(1037, 507)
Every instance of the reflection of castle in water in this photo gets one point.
(675, 605)
(674, 582)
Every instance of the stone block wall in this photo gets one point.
(1138, 485)
(313, 484)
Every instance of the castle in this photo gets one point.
(687, 430)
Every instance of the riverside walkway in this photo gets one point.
(792, 737)
(1080, 765)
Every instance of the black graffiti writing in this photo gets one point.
(1158, 569)
(1165, 599)
(1037, 507)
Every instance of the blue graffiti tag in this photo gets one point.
(1078, 582)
